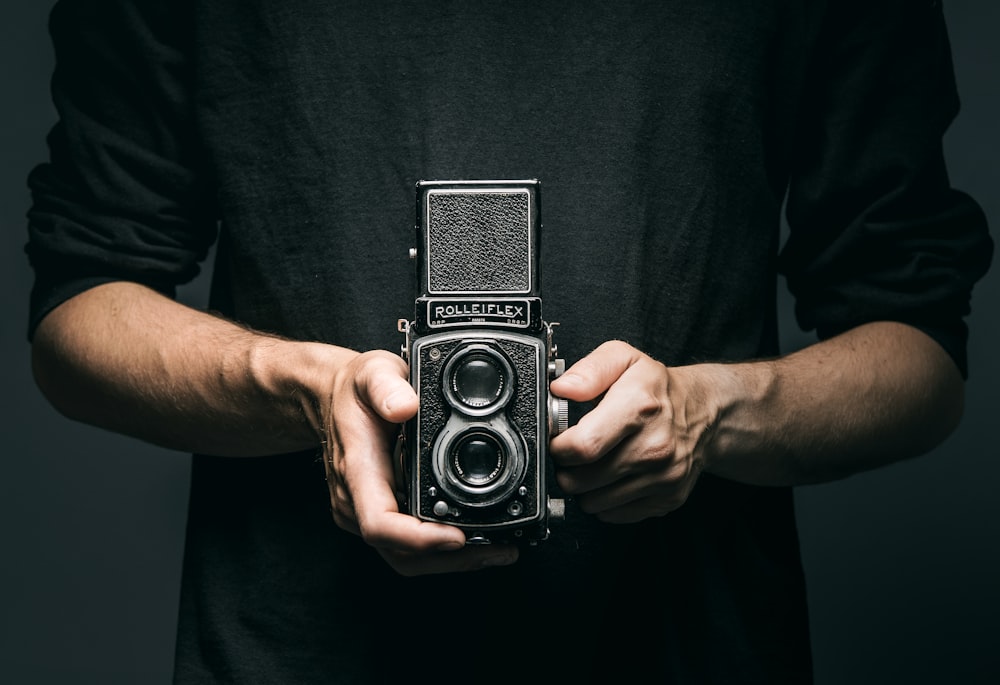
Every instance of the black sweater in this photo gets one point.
(667, 136)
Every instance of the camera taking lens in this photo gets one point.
(478, 458)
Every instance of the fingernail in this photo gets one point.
(450, 546)
(570, 379)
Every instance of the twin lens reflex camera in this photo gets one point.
(481, 358)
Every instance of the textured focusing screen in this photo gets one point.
(478, 241)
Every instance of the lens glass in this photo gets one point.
(478, 381)
(478, 459)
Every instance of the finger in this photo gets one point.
(643, 496)
(650, 451)
(641, 509)
(382, 384)
(470, 558)
(391, 530)
(342, 506)
(577, 480)
(377, 515)
(627, 406)
(373, 511)
(594, 374)
(340, 498)
(368, 469)
(346, 523)
(633, 501)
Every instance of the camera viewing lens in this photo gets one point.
(478, 458)
(478, 381)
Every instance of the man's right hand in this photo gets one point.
(124, 357)
(370, 398)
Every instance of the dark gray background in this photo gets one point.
(903, 567)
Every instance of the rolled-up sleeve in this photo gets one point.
(125, 193)
(876, 230)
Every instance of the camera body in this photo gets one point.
(481, 357)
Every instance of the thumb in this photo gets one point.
(590, 377)
(382, 384)
(400, 403)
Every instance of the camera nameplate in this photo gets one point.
(516, 313)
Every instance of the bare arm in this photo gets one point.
(126, 358)
(123, 357)
(874, 395)
(871, 396)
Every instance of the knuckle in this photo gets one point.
(343, 496)
(369, 532)
(647, 405)
(369, 367)
(616, 347)
(588, 446)
(580, 445)
(370, 537)
(565, 479)
(656, 454)
(382, 360)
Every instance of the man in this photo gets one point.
(667, 139)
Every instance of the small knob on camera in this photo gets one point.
(558, 415)
(557, 508)
(558, 407)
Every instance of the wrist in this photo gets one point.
(734, 404)
(297, 379)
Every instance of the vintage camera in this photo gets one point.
(481, 357)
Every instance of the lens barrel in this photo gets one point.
(478, 380)
(478, 458)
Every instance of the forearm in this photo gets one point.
(874, 395)
(125, 358)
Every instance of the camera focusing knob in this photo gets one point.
(558, 407)
(558, 415)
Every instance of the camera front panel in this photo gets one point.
(477, 443)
